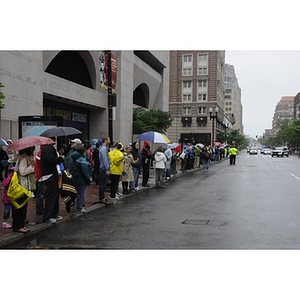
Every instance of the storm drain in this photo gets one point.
(195, 222)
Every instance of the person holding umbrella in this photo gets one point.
(49, 161)
(26, 175)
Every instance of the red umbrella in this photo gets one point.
(29, 141)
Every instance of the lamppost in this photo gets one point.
(213, 116)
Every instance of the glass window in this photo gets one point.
(187, 84)
(187, 57)
(202, 110)
(202, 83)
(187, 97)
(202, 57)
(202, 71)
(186, 111)
(187, 71)
(202, 97)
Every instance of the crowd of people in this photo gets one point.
(95, 163)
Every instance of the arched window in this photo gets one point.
(70, 65)
(141, 95)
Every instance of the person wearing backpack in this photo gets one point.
(81, 170)
(205, 157)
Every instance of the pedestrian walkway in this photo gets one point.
(35, 223)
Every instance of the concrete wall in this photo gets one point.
(23, 74)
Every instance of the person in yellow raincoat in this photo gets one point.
(232, 155)
(116, 158)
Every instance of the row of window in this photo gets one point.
(188, 71)
(202, 110)
(187, 64)
(188, 58)
(187, 97)
(187, 84)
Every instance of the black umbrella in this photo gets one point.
(60, 131)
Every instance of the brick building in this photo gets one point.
(196, 87)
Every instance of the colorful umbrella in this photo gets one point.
(173, 145)
(154, 137)
(60, 131)
(29, 141)
(3, 142)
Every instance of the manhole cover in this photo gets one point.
(195, 222)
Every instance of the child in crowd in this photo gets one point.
(7, 204)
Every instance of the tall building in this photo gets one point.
(71, 86)
(297, 106)
(283, 110)
(233, 107)
(196, 89)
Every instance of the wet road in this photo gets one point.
(252, 205)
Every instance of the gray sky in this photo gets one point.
(264, 77)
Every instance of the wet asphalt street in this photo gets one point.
(252, 205)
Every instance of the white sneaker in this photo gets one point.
(53, 221)
(137, 189)
(83, 211)
(59, 218)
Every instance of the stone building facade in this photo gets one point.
(283, 110)
(233, 107)
(67, 85)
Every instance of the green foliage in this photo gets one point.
(2, 97)
(235, 137)
(288, 134)
(150, 120)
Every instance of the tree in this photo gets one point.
(2, 97)
(151, 120)
(234, 137)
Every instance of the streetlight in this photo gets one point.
(213, 116)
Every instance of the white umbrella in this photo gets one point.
(200, 145)
(3, 142)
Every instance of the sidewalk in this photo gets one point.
(7, 236)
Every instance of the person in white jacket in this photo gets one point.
(160, 165)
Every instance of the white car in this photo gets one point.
(266, 151)
(253, 151)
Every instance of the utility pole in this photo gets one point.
(110, 97)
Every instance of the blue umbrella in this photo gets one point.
(3, 142)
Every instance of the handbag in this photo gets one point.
(66, 187)
(17, 194)
(182, 155)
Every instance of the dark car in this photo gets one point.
(280, 151)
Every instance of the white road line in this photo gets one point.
(295, 176)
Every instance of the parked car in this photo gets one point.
(280, 151)
(253, 151)
(266, 151)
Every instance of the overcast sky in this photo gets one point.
(264, 77)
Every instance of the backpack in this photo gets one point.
(67, 188)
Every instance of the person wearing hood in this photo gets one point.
(136, 166)
(146, 159)
(81, 169)
(160, 165)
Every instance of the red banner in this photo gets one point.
(103, 61)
